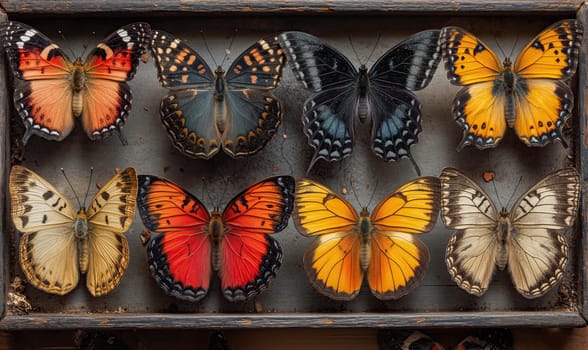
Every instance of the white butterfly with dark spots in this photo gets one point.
(342, 92)
(58, 243)
(529, 239)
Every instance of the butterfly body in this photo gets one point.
(342, 93)
(207, 111)
(379, 246)
(528, 239)
(529, 95)
(51, 91)
(58, 244)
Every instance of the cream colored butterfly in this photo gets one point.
(528, 239)
(58, 243)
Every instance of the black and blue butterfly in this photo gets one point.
(342, 92)
(207, 110)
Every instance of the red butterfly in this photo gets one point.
(193, 242)
(51, 90)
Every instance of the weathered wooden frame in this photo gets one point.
(25, 8)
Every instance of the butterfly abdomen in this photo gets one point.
(363, 108)
(504, 232)
(81, 233)
(365, 230)
(78, 84)
(216, 230)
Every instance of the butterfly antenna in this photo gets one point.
(206, 185)
(373, 193)
(353, 48)
(71, 187)
(207, 48)
(354, 191)
(515, 191)
(374, 48)
(496, 193)
(62, 36)
(228, 50)
(500, 48)
(514, 46)
(89, 182)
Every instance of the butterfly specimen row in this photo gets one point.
(191, 243)
(208, 110)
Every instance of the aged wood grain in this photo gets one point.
(583, 152)
(4, 149)
(288, 7)
(314, 320)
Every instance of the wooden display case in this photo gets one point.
(138, 302)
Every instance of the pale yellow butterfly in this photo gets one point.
(58, 243)
(529, 239)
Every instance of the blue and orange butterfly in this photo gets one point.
(529, 96)
(382, 245)
(51, 91)
(208, 110)
(193, 243)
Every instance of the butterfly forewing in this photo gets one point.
(319, 66)
(258, 67)
(411, 64)
(467, 59)
(178, 65)
(552, 54)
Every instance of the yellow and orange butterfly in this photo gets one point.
(382, 245)
(529, 96)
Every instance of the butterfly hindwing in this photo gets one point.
(206, 111)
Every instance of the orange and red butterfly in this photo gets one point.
(50, 90)
(382, 245)
(530, 95)
(192, 243)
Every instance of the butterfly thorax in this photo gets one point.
(216, 230)
(508, 76)
(365, 228)
(504, 232)
(362, 81)
(78, 84)
(219, 84)
(81, 233)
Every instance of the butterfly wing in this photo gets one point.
(107, 97)
(253, 114)
(328, 115)
(48, 247)
(537, 252)
(110, 215)
(42, 96)
(249, 256)
(187, 112)
(472, 250)
(332, 261)
(467, 59)
(479, 108)
(553, 54)
(399, 260)
(179, 258)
